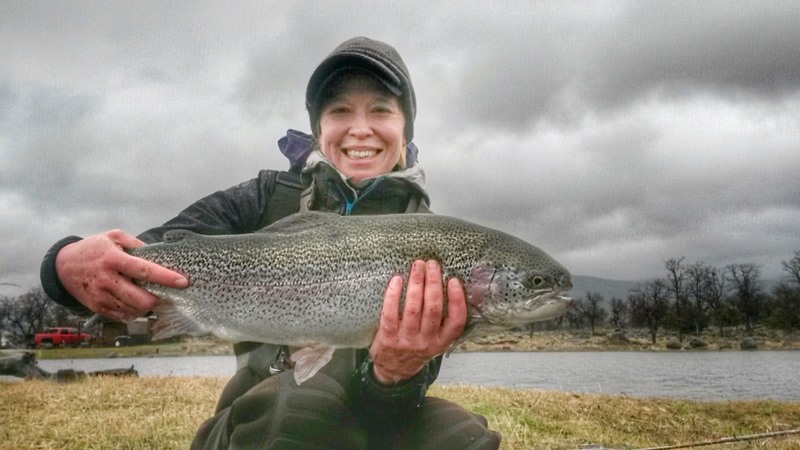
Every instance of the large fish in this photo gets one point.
(317, 280)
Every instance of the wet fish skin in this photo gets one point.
(317, 280)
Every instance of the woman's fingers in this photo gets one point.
(453, 324)
(433, 302)
(390, 313)
(415, 291)
(99, 273)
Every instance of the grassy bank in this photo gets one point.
(185, 347)
(163, 413)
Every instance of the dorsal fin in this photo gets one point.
(300, 221)
(173, 236)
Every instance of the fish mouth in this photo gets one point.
(542, 307)
(569, 302)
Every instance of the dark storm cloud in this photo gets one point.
(45, 127)
(539, 67)
(728, 49)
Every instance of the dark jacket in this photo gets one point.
(252, 205)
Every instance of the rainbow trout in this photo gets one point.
(317, 280)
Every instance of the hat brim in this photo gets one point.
(336, 63)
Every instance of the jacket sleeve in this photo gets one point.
(396, 401)
(238, 209)
(52, 285)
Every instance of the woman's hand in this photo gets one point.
(99, 273)
(406, 341)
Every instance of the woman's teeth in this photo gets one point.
(360, 153)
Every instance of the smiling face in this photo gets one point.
(361, 128)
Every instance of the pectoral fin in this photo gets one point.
(307, 361)
(171, 322)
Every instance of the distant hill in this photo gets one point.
(607, 288)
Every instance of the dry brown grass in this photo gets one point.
(163, 413)
(106, 413)
(558, 420)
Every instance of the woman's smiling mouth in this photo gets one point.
(360, 153)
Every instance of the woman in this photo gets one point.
(360, 160)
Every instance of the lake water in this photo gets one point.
(706, 376)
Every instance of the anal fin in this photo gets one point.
(309, 360)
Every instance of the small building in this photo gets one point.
(136, 332)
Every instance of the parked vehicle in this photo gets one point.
(62, 337)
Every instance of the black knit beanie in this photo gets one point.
(380, 60)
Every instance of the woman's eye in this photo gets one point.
(382, 108)
(336, 108)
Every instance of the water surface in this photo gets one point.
(707, 376)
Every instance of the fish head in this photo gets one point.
(508, 297)
(516, 284)
(502, 297)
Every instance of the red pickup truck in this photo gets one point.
(61, 336)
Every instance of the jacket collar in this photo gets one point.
(320, 174)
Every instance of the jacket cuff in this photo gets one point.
(396, 399)
(52, 285)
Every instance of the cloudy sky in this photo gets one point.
(615, 135)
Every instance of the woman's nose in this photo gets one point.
(360, 126)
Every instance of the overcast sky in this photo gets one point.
(614, 135)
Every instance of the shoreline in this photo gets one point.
(539, 341)
(630, 340)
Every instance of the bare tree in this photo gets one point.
(696, 280)
(676, 275)
(619, 311)
(5, 313)
(576, 314)
(32, 311)
(593, 311)
(785, 308)
(785, 311)
(792, 268)
(649, 304)
(27, 312)
(747, 292)
(714, 294)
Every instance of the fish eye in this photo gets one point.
(534, 282)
